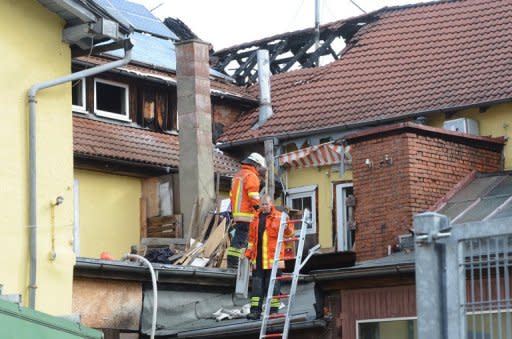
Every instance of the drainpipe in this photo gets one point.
(32, 153)
(153, 281)
(264, 86)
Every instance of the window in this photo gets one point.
(479, 325)
(301, 198)
(404, 328)
(111, 99)
(78, 95)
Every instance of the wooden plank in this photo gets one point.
(168, 219)
(215, 239)
(162, 234)
(206, 224)
(193, 220)
(192, 254)
(151, 192)
(161, 241)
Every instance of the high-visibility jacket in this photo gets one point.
(269, 239)
(245, 193)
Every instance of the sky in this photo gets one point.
(225, 23)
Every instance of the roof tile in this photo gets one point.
(105, 140)
(413, 60)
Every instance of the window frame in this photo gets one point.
(379, 320)
(112, 115)
(308, 191)
(83, 108)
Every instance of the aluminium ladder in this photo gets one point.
(299, 263)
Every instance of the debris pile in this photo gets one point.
(207, 250)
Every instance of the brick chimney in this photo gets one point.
(402, 169)
(195, 129)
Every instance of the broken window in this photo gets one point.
(158, 109)
(111, 99)
(78, 95)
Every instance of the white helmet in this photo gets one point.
(257, 159)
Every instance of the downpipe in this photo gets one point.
(153, 281)
(32, 154)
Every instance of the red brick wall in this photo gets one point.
(424, 168)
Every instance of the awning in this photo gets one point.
(318, 155)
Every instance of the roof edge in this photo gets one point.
(355, 272)
(413, 127)
(454, 190)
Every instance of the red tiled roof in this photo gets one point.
(412, 60)
(105, 140)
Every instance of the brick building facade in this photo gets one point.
(402, 169)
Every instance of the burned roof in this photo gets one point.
(219, 88)
(412, 60)
(288, 50)
(102, 140)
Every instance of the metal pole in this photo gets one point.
(317, 29)
(429, 274)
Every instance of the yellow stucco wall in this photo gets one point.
(324, 177)
(109, 213)
(496, 121)
(32, 52)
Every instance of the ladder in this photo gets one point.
(294, 277)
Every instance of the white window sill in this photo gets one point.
(77, 109)
(113, 116)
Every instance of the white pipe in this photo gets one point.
(153, 280)
(32, 154)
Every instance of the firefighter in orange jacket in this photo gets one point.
(245, 201)
(263, 233)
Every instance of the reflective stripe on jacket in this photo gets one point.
(269, 239)
(245, 194)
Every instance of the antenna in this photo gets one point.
(355, 4)
(317, 29)
(151, 10)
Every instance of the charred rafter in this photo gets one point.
(294, 49)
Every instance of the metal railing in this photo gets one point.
(463, 278)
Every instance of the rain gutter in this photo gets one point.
(251, 328)
(162, 270)
(32, 154)
(325, 275)
(365, 123)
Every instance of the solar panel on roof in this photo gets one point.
(139, 17)
(151, 51)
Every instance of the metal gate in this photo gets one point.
(463, 278)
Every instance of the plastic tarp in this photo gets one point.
(188, 312)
